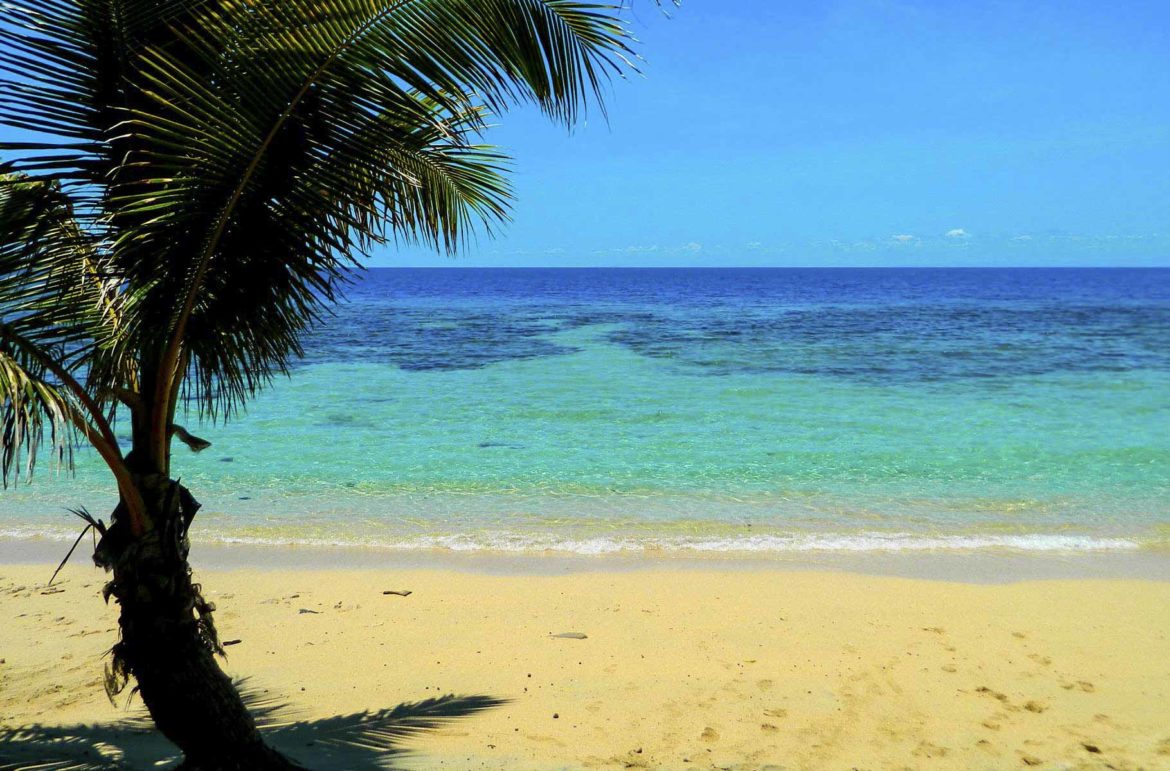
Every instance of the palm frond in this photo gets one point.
(228, 163)
(318, 126)
(43, 333)
(29, 407)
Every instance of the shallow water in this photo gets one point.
(704, 411)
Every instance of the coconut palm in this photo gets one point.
(200, 179)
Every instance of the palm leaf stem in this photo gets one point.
(169, 369)
(93, 423)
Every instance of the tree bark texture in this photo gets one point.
(168, 639)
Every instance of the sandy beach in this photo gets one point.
(677, 668)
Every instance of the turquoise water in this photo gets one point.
(698, 411)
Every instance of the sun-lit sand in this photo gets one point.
(678, 669)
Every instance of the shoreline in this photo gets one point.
(710, 669)
(987, 566)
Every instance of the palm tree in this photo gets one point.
(203, 176)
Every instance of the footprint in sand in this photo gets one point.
(983, 689)
(928, 750)
(709, 735)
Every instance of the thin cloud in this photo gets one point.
(957, 233)
(905, 238)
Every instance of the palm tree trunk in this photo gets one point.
(169, 641)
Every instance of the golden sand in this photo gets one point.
(678, 668)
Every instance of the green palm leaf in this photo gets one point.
(45, 331)
(231, 161)
(379, 101)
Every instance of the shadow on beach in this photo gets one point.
(361, 740)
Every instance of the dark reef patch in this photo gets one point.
(876, 326)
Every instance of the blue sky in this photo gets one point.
(858, 132)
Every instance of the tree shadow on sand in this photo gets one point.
(357, 741)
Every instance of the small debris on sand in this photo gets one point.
(306, 610)
(399, 592)
(226, 643)
(571, 635)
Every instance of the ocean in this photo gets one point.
(696, 411)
